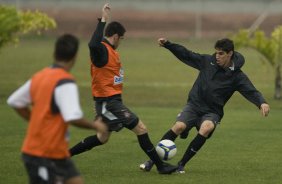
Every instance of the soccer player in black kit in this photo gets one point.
(219, 77)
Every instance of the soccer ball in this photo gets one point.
(166, 149)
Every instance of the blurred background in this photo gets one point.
(152, 18)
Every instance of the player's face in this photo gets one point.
(223, 59)
(117, 41)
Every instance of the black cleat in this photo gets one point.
(167, 168)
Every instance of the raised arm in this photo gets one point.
(186, 56)
(98, 52)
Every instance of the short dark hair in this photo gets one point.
(224, 44)
(66, 47)
(114, 28)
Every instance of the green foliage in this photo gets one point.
(277, 39)
(269, 47)
(14, 23)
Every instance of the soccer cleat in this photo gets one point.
(180, 169)
(147, 166)
(167, 168)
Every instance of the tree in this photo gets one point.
(14, 23)
(269, 47)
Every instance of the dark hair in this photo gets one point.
(66, 47)
(114, 28)
(224, 44)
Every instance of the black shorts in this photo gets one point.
(115, 114)
(194, 118)
(48, 171)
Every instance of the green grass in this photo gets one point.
(245, 148)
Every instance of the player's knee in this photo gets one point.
(206, 128)
(178, 127)
(103, 137)
(140, 128)
(100, 126)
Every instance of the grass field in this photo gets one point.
(245, 148)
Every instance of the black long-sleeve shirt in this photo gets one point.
(214, 85)
(98, 51)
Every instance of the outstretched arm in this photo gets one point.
(248, 90)
(186, 56)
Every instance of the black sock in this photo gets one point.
(147, 146)
(170, 135)
(87, 144)
(192, 149)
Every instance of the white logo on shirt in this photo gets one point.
(119, 79)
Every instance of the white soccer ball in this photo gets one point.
(166, 149)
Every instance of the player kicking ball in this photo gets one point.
(219, 77)
(107, 82)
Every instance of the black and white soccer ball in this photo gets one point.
(166, 149)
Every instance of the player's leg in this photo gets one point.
(102, 129)
(119, 116)
(37, 170)
(175, 131)
(145, 143)
(90, 142)
(205, 128)
(106, 121)
(123, 117)
(66, 172)
(181, 125)
(171, 134)
(50, 171)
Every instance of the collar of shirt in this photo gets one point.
(232, 67)
(106, 41)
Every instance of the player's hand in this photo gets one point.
(106, 13)
(264, 109)
(162, 41)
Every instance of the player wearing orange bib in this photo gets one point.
(107, 79)
(53, 94)
(46, 134)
